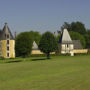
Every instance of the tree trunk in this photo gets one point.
(48, 55)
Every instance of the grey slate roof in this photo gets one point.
(1, 35)
(77, 44)
(65, 37)
(4, 32)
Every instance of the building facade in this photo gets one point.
(65, 43)
(7, 43)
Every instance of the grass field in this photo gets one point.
(59, 73)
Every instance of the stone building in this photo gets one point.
(7, 43)
(66, 43)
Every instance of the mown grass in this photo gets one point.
(58, 73)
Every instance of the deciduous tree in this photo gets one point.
(48, 44)
(23, 45)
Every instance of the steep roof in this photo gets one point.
(77, 44)
(65, 37)
(35, 46)
(1, 34)
(6, 31)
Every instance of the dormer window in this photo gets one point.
(7, 36)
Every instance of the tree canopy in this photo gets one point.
(75, 27)
(87, 38)
(48, 44)
(67, 26)
(23, 45)
(77, 36)
(36, 36)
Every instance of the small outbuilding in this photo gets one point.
(35, 49)
(66, 45)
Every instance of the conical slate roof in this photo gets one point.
(6, 31)
(0, 34)
(65, 37)
(35, 46)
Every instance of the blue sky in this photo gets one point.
(43, 15)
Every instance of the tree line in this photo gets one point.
(47, 42)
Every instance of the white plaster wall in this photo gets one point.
(62, 47)
(65, 49)
(71, 46)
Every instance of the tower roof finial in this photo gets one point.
(5, 23)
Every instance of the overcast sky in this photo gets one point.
(43, 15)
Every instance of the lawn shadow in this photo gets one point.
(38, 59)
(14, 61)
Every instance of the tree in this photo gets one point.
(75, 27)
(23, 45)
(58, 37)
(87, 38)
(36, 36)
(78, 27)
(77, 36)
(67, 26)
(48, 44)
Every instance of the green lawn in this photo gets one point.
(59, 73)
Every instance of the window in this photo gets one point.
(7, 48)
(7, 41)
(7, 54)
(67, 45)
(7, 36)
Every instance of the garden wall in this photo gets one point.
(39, 52)
(36, 52)
(76, 51)
(80, 51)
